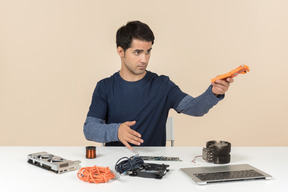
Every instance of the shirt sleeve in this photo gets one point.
(98, 107)
(95, 129)
(200, 105)
(175, 94)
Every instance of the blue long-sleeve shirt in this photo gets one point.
(146, 101)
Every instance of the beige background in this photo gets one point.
(52, 53)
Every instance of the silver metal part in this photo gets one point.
(159, 158)
(52, 162)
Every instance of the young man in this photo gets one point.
(131, 107)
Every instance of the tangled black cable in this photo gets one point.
(129, 164)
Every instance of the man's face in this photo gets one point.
(135, 59)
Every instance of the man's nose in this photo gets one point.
(144, 58)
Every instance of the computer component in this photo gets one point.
(151, 170)
(135, 166)
(217, 152)
(125, 164)
(90, 152)
(159, 158)
(52, 162)
(227, 173)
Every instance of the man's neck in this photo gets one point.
(128, 76)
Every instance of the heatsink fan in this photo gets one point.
(52, 162)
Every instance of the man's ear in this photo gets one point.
(120, 51)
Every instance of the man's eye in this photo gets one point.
(137, 52)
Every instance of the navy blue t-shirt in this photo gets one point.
(146, 101)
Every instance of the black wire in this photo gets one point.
(129, 164)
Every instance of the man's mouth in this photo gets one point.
(141, 66)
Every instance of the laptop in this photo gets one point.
(226, 173)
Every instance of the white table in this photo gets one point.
(18, 175)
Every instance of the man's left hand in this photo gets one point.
(221, 86)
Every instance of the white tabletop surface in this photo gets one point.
(18, 175)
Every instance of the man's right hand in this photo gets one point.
(127, 135)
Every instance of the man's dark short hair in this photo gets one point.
(133, 30)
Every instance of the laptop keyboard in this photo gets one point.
(229, 175)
